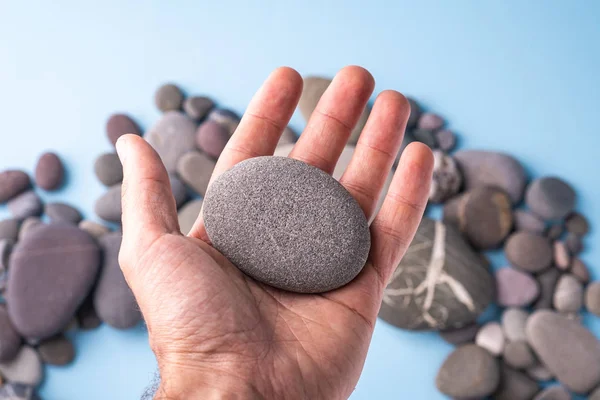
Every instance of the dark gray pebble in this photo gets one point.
(108, 169)
(462, 335)
(195, 169)
(430, 121)
(168, 97)
(108, 206)
(425, 136)
(197, 107)
(5, 250)
(61, 212)
(119, 125)
(415, 113)
(211, 138)
(527, 221)
(172, 136)
(27, 204)
(87, 318)
(518, 355)
(13, 183)
(555, 231)
(446, 140)
(528, 251)
(226, 118)
(577, 224)
(580, 271)
(551, 198)
(57, 351)
(17, 391)
(9, 229)
(574, 243)
(515, 385)
(49, 172)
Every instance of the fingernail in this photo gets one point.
(121, 147)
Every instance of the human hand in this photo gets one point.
(216, 332)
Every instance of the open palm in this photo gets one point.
(216, 332)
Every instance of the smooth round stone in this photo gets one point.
(555, 231)
(61, 212)
(12, 183)
(447, 178)
(49, 172)
(188, 214)
(514, 321)
(432, 289)
(52, 270)
(9, 229)
(577, 224)
(415, 113)
(462, 335)
(592, 298)
(28, 225)
(288, 136)
(211, 138)
(108, 169)
(197, 107)
(179, 191)
(491, 337)
(95, 229)
(574, 243)
(113, 300)
(27, 204)
(562, 258)
(10, 340)
(547, 282)
(430, 121)
(468, 372)
(540, 373)
(119, 125)
(268, 209)
(226, 118)
(168, 97)
(425, 136)
(550, 198)
(580, 271)
(195, 169)
(567, 349)
(515, 288)
(57, 351)
(553, 393)
(446, 140)
(568, 295)
(518, 355)
(172, 136)
(25, 368)
(17, 391)
(515, 385)
(108, 206)
(526, 221)
(528, 251)
(595, 395)
(87, 318)
(485, 168)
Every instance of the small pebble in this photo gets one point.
(168, 97)
(515, 385)
(430, 121)
(462, 335)
(119, 125)
(551, 198)
(95, 229)
(592, 298)
(188, 214)
(211, 138)
(580, 271)
(108, 169)
(10, 340)
(195, 169)
(519, 355)
(13, 183)
(528, 251)
(446, 140)
(87, 318)
(425, 136)
(28, 225)
(49, 172)
(60, 212)
(577, 224)
(226, 118)
(514, 321)
(491, 337)
(415, 113)
(57, 351)
(179, 190)
(553, 393)
(547, 283)
(446, 180)
(574, 243)
(9, 229)
(25, 368)
(515, 288)
(108, 206)
(526, 221)
(172, 136)
(568, 295)
(197, 107)
(562, 258)
(555, 231)
(540, 373)
(27, 204)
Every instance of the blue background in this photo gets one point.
(519, 76)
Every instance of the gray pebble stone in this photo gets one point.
(12, 183)
(188, 214)
(515, 385)
(562, 258)
(518, 355)
(10, 340)
(580, 271)
(540, 373)
(27, 204)
(425, 136)
(288, 136)
(119, 125)
(57, 351)
(529, 251)
(415, 113)
(551, 198)
(95, 229)
(108, 206)
(526, 221)
(462, 335)
(108, 169)
(172, 136)
(468, 372)
(28, 225)
(567, 349)
(592, 298)
(197, 107)
(211, 138)
(568, 295)
(577, 224)
(446, 139)
(17, 391)
(9, 229)
(547, 283)
(555, 231)
(179, 190)
(574, 243)
(430, 121)
(61, 212)
(447, 178)
(553, 393)
(514, 321)
(195, 169)
(25, 368)
(273, 204)
(168, 97)
(226, 118)
(49, 172)
(515, 288)
(491, 337)
(484, 168)
(595, 395)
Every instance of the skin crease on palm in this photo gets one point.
(218, 334)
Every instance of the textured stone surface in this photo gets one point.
(515, 385)
(462, 335)
(514, 321)
(57, 351)
(526, 221)
(441, 283)
(553, 393)
(195, 169)
(12, 183)
(447, 178)
(491, 337)
(27, 204)
(52, 270)
(551, 198)
(468, 372)
(529, 251)
(188, 214)
(172, 136)
(592, 298)
(287, 210)
(25, 368)
(225, 117)
(119, 125)
(9, 229)
(211, 138)
(168, 97)
(547, 283)
(93, 228)
(197, 107)
(61, 212)
(568, 295)
(49, 172)
(515, 288)
(552, 337)
(108, 169)
(577, 224)
(10, 340)
(113, 300)
(108, 206)
(518, 355)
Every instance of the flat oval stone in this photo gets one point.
(592, 298)
(485, 168)
(491, 337)
(577, 224)
(108, 206)
(61, 212)
(9, 229)
(108, 169)
(515, 385)
(287, 210)
(568, 295)
(197, 107)
(27, 204)
(119, 125)
(528, 251)
(462, 335)
(547, 283)
(518, 355)
(172, 136)
(514, 321)
(179, 190)
(195, 169)
(468, 372)
(415, 113)
(515, 288)
(52, 270)
(567, 349)
(211, 138)
(432, 288)
(551, 198)
(25, 368)
(574, 243)
(10, 340)
(95, 229)
(446, 140)
(168, 97)
(57, 351)
(49, 172)
(526, 221)
(226, 118)
(113, 300)
(431, 121)
(12, 183)
(553, 393)
(447, 178)
(580, 271)
(188, 214)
